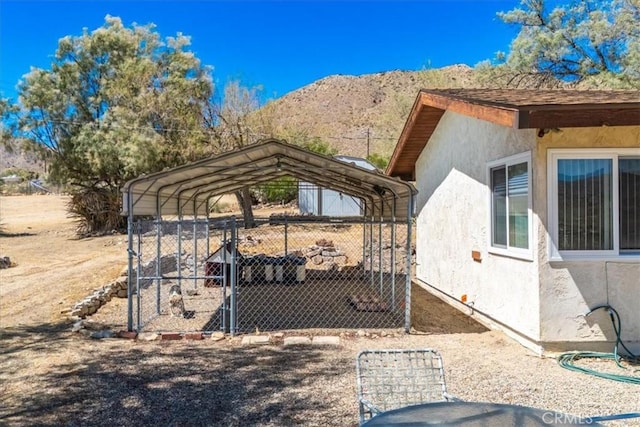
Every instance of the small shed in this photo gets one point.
(218, 265)
(319, 201)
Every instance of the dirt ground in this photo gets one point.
(51, 376)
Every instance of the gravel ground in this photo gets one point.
(50, 376)
(53, 377)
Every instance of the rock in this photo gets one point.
(278, 335)
(297, 341)
(217, 336)
(326, 340)
(361, 333)
(5, 262)
(148, 336)
(122, 293)
(77, 326)
(340, 259)
(317, 260)
(105, 333)
(255, 340)
(192, 292)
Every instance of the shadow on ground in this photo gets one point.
(429, 314)
(119, 382)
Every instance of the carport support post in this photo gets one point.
(364, 245)
(393, 262)
(158, 262)
(232, 320)
(138, 274)
(225, 309)
(380, 266)
(407, 291)
(130, 272)
(179, 256)
(195, 252)
(371, 251)
(286, 236)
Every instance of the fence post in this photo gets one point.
(130, 274)
(158, 262)
(225, 308)
(195, 252)
(138, 274)
(232, 317)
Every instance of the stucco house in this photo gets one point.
(528, 212)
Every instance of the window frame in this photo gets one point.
(511, 251)
(613, 154)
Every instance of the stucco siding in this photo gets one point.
(453, 220)
(569, 289)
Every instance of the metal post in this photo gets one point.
(195, 252)
(232, 317)
(225, 308)
(158, 262)
(179, 257)
(407, 300)
(371, 250)
(364, 245)
(286, 236)
(393, 262)
(130, 272)
(138, 274)
(208, 231)
(380, 266)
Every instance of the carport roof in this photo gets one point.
(185, 190)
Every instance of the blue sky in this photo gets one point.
(281, 45)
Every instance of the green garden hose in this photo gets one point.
(566, 360)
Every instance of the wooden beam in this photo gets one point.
(560, 118)
(490, 113)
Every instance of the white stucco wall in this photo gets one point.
(453, 220)
(569, 289)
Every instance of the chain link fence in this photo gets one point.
(286, 273)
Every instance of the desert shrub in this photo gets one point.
(97, 210)
(378, 160)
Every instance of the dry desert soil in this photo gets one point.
(52, 376)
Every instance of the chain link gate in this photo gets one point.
(286, 273)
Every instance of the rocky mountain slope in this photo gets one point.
(347, 111)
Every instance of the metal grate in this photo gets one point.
(390, 379)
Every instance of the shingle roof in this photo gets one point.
(516, 108)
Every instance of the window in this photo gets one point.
(510, 183)
(594, 202)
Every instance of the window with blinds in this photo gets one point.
(629, 190)
(596, 205)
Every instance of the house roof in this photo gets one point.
(516, 108)
(186, 190)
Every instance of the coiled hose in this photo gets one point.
(566, 360)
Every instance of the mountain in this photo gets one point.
(12, 158)
(342, 110)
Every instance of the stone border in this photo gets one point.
(99, 297)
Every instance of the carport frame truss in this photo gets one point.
(188, 190)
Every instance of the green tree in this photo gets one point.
(584, 41)
(116, 103)
(378, 160)
(235, 121)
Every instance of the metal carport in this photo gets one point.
(188, 191)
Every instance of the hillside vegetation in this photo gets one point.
(347, 111)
